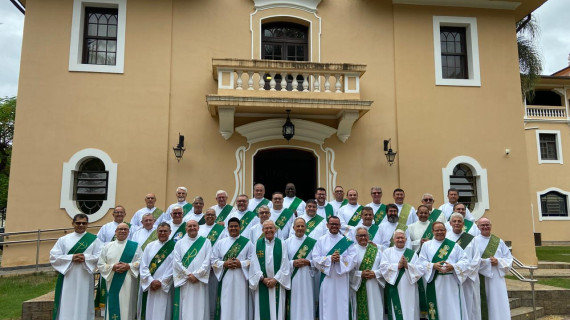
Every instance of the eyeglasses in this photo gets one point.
(427, 200)
(375, 192)
(361, 235)
(122, 229)
(80, 223)
(177, 213)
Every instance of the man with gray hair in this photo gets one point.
(142, 233)
(378, 209)
(258, 199)
(196, 213)
(223, 209)
(177, 226)
(181, 193)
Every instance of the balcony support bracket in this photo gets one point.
(226, 115)
(347, 119)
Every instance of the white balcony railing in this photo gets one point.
(545, 112)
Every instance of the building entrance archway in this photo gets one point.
(274, 168)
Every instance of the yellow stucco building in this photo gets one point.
(106, 86)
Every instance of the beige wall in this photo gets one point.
(135, 117)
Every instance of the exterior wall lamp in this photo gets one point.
(179, 149)
(390, 154)
(288, 127)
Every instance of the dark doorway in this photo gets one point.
(277, 167)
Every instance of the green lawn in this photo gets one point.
(554, 282)
(16, 289)
(553, 253)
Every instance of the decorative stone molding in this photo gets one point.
(347, 119)
(488, 4)
(309, 5)
(272, 130)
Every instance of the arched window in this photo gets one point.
(463, 180)
(284, 41)
(90, 185)
(554, 204)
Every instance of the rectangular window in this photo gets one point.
(456, 51)
(453, 53)
(553, 204)
(98, 36)
(549, 146)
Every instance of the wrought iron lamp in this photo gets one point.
(390, 154)
(179, 149)
(288, 127)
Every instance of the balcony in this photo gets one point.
(545, 113)
(266, 88)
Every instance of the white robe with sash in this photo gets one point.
(374, 286)
(334, 290)
(141, 235)
(386, 231)
(159, 302)
(319, 231)
(204, 231)
(287, 201)
(193, 296)
(345, 214)
(304, 294)
(235, 291)
(77, 290)
(283, 277)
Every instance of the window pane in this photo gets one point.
(111, 46)
(111, 57)
(100, 58)
(92, 29)
(102, 45)
(102, 30)
(112, 31)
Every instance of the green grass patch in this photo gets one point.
(16, 289)
(554, 282)
(553, 253)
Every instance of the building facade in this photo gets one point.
(107, 86)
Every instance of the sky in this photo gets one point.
(553, 18)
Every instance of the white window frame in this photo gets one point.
(539, 204)
(76, 42)
(472, 42)
(67, 183)
(560, 159)
(480, 176)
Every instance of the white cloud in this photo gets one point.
(11, 28)
(554, 20)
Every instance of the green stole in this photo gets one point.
(329, 211)
(186, 208)
(362, 294)
(304, 249)
(464, 240)
(264, 310)
(215, 233)
(380, 214)
(341, 247)
(224, 213)
(490, 251)
(355, 219)
(153, 236)
(186, 261)
(372, 231)
(117, 282)
(263, 202)
(404, 213)
(246, 220)
(343, 203)
(467, 224)
(232, 252)
(442, 254)
(313, 223)
(156, 213)
(154, 264)
(285, 215)
(432, 218)
(392, 291)
(181, 229)
(79, 247)
(295, 204)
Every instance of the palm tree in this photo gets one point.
(530, 62)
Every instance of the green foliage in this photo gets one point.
(16, 289)
(530, 62)
(553, 253)
(7, 115)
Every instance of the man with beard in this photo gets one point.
(389, 225)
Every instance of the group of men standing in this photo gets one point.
(285, 258)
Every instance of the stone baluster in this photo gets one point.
(338, 84)
(261, 81)
(272, 83)
(317, 84)
(250, 80)
(239, 82)
(305, 82)
(295, 84)
(283, 83)
(327, 83)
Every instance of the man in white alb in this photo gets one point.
(281, 215)
(404, 209)
(447, 208)
(150, 200)
(316, 225)
(350, 214)
(292, 202)
(141, 234)
(258, 199)
(223, 209)
(181, 194)
(339, 200)
(324, 208)
(390, 224)
(247, 218)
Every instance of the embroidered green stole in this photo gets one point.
(246, 220)
(186, 208)
(340, 247)
(295, 204)
(180, 231)
(313, 223)
(117, 282)
(329, 211)
(372, 231)
(304, 249)
(232, 253)
(202, 220)
(392, 291)
(153, 236)
(432, 218)
(362, 294)
(404, 213)
(263, 202)
(442, 254)
(355, 219)
(186, 261)
(224, 213)
(467, 224)
(283, 218)
(464, 240)
(264, 310)
(154, 264)
(380, 214)
(490, 251)
(79, 247)
(156, 213)
(343, 203)
(215, 233)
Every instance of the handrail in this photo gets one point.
(38, 239)
(522, 278)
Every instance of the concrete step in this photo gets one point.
(524, 313)
(555, 317)
(515, 303)
(553, 265)
(546, 273)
